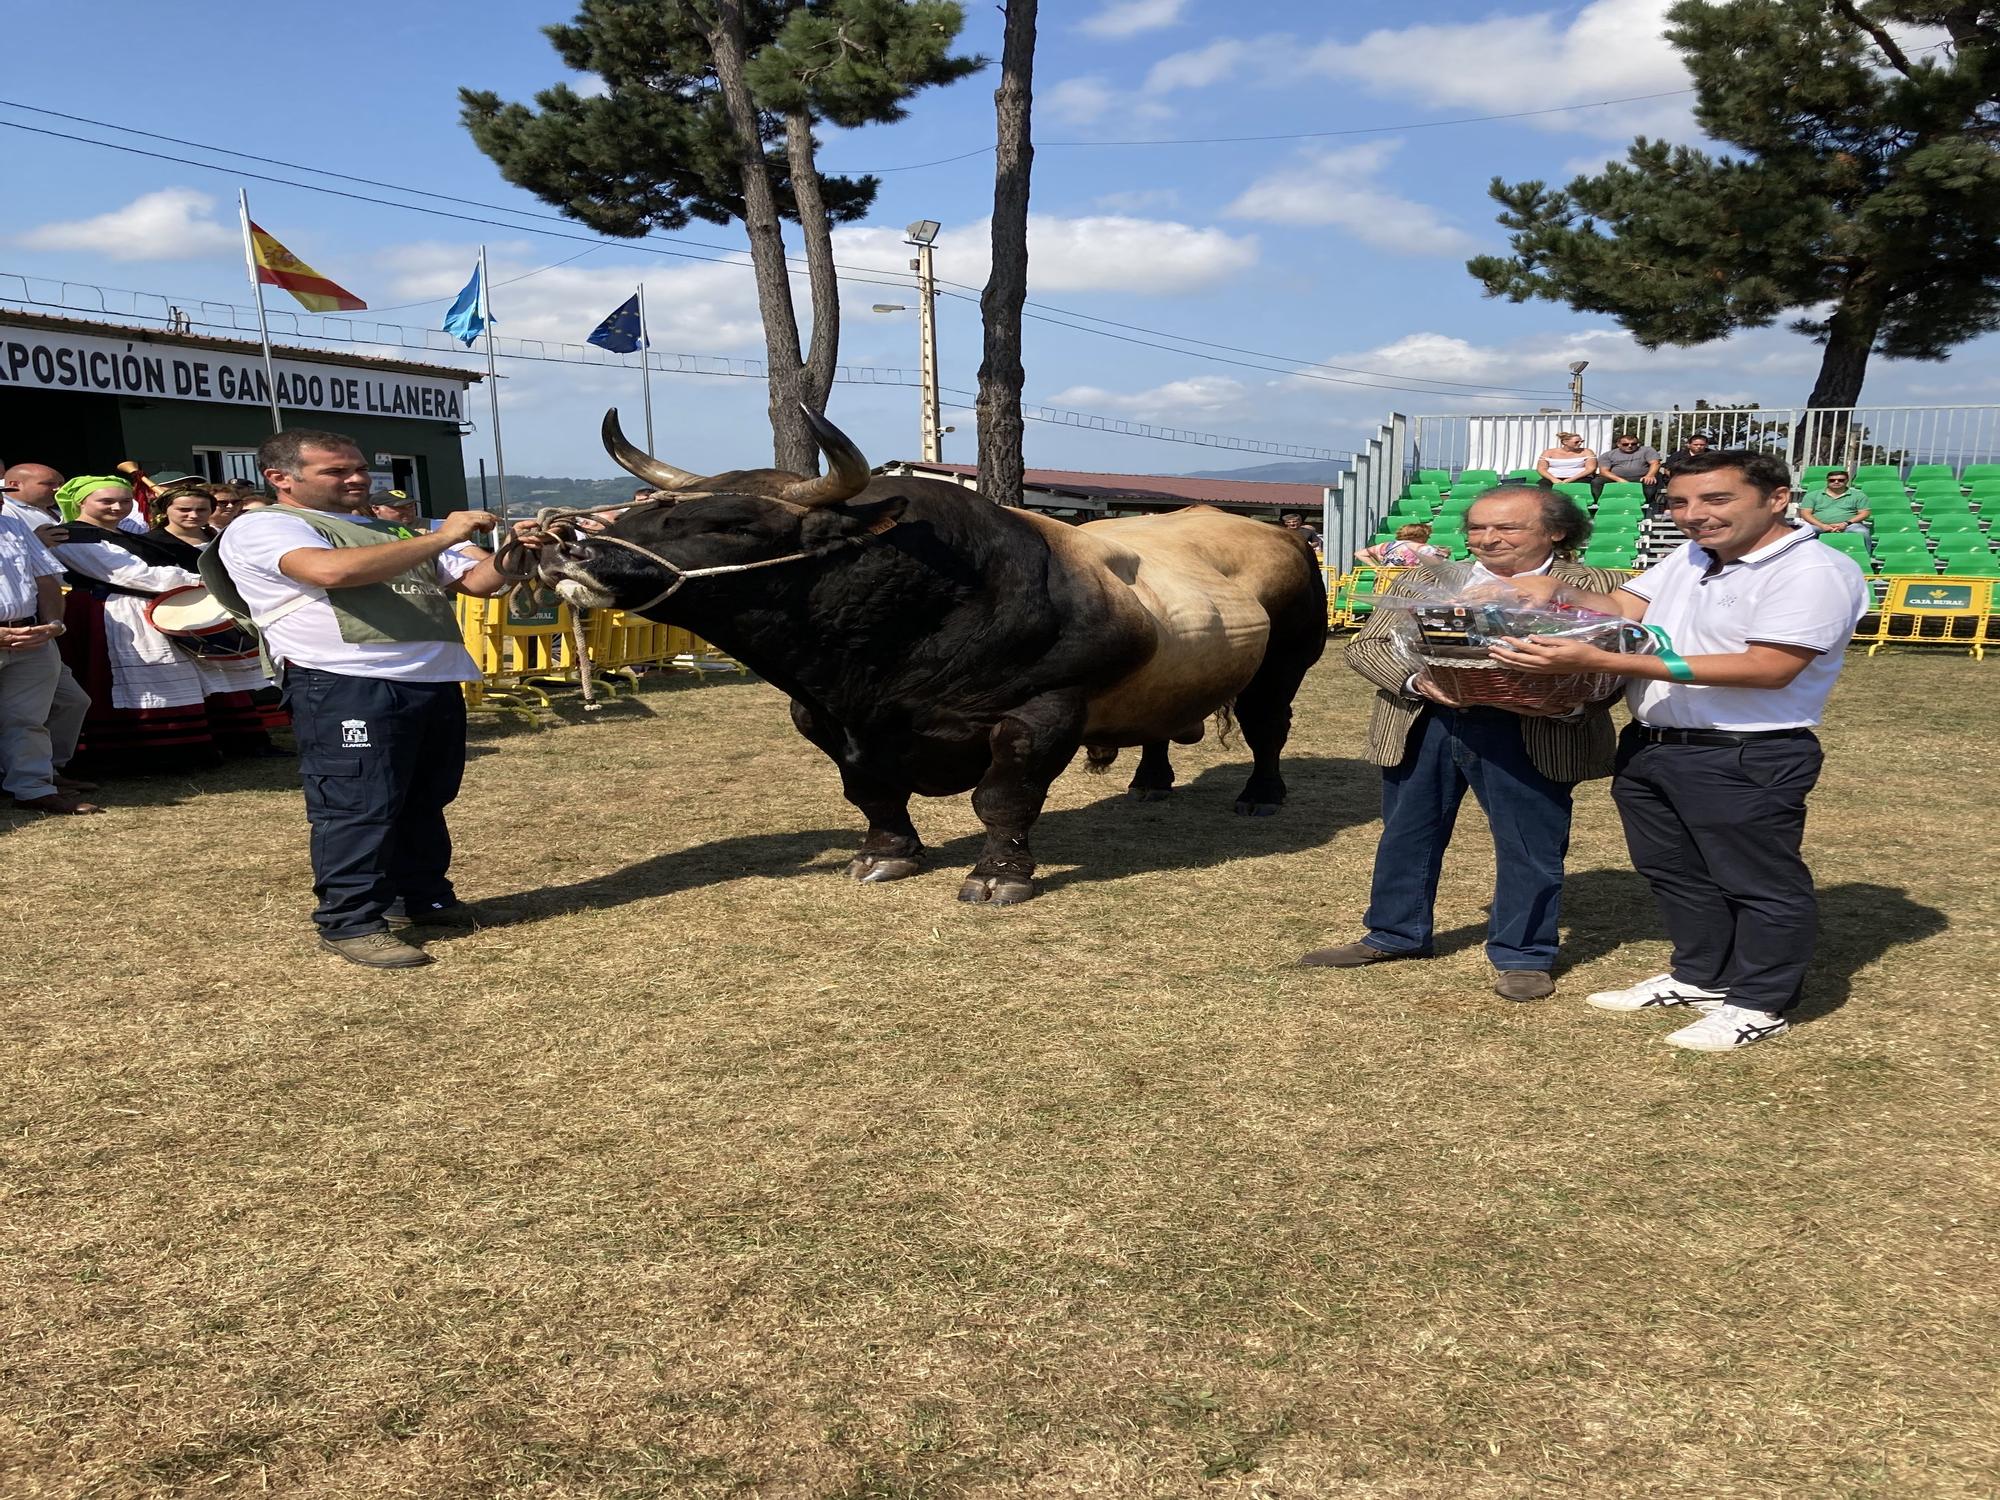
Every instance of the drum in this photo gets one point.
(195, 621)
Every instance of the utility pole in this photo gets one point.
(1576, 385)
(922, 233)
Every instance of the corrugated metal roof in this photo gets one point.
(21, 318)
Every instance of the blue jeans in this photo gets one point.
(1449, 750)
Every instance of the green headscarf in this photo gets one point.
(71, 494)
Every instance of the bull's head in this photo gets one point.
(693, 523)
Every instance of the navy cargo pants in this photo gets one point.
(381, 761)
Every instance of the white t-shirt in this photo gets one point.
(309, 636)
(1796, 591)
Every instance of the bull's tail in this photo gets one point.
(1225, 723)
(1097, 759)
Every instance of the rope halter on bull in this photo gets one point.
(847, 475)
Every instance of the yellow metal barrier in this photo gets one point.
(521, 657)
(1935, 611)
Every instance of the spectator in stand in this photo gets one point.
(1293, 521)
(1411, 549)
(185, 517)
(1569, 462)
(1696, 445)
(1628, 461)
(1836, 506)
(30, 622)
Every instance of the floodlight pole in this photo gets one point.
(927, 371)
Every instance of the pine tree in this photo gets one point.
(1002, 462)
(708, 113)
(1866, 196)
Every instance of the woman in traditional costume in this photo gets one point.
(154, 707)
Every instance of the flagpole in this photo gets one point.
(263, 326)
(646, 367)
(492, 382)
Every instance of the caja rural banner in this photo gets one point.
(43, 359)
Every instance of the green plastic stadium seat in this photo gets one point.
(1624, 487)
(1944, 522)
(1977, 564)
(1576, 489)
(1455, 504)
(1887, 521)
(1932, 471)
(1474, 480)
(1848, 542)
(1812, 474)
(1439, 477)
(1524, 476)
(1621, 505)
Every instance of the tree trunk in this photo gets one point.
(1850, 337)
(1000, 374)
(824, 352)
(792, 445)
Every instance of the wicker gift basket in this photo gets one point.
(1451, 625)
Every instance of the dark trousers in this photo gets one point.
(1716, 830)
(1449, 750)
(380, 761)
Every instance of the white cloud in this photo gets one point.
(1078, 101)
(1608, 49)
(1197, 69)
(1091, 253)
(1123, 18)
(170, 224)
(1337, 187)
(1201, 397)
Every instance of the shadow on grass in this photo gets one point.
(1110, 838)
(1858, 924)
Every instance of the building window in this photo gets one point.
(236, 465)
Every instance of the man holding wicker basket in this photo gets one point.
(1448, 717)
(1751, 618)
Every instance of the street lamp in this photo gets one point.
(1576, 384)
(921, 234)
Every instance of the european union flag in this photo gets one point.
(467, 318)
(620, 332)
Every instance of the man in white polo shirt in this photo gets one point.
(1714, 770)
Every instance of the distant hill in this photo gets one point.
(1291, 471)
(526, 492)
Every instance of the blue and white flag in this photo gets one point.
(620, 332)
(468, 317)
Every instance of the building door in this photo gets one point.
(404, 468)
(236, 465)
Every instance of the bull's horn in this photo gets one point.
(660, 474)
(846, 474)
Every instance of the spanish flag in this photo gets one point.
(277, 266)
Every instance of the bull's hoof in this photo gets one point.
(996, 890)
(1257, 809)
(873, 869)
(1148, 793)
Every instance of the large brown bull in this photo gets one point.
(934, 643)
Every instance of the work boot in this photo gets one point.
(58, 803)
(1350, 956)
(378, 950)
(1524, 984)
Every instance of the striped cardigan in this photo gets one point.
(1562, 750)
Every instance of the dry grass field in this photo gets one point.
(720, 1176)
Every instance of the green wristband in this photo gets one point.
(1672, 660)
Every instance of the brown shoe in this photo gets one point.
(1351, 956)
(378, 950)
(71, 784)
(1523, 984)
(59, 804)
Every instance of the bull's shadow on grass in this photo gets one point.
(1105, 840)
(1603, 910)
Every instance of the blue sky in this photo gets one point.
(1344, 250)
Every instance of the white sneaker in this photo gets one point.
(1728, 1027)
(1660, 990)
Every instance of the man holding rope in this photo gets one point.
(359, 623)
(1713, 771)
